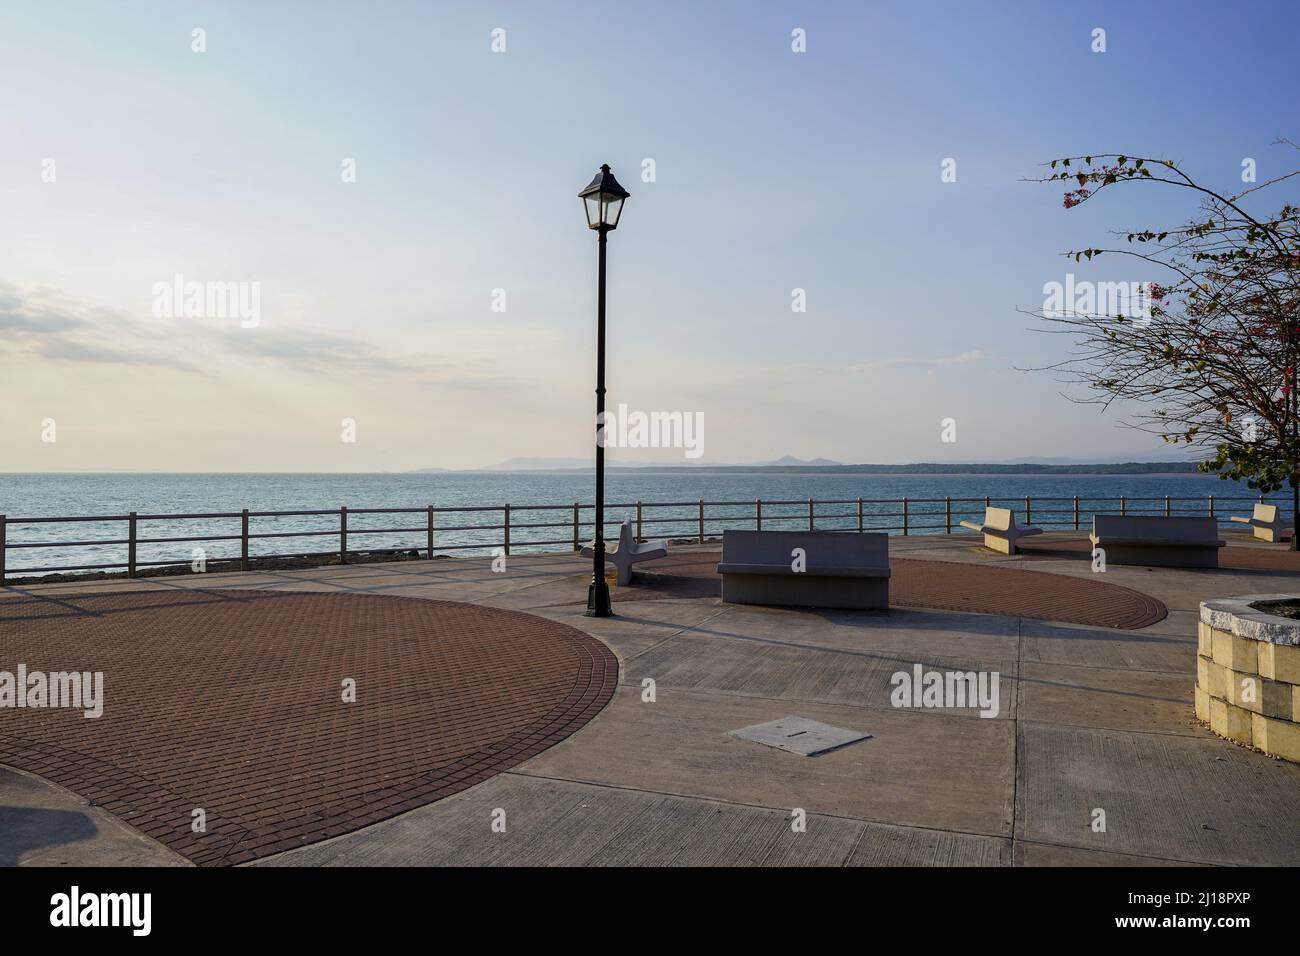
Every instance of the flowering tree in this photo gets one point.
(1212, 360)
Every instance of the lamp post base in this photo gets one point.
(598, 604)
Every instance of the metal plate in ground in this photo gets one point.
(799, 735)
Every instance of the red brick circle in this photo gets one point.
(231, 702)
(1243, 557)
(942, 585)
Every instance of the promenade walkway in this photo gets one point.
(1092, 716)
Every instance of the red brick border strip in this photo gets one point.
(231, 702)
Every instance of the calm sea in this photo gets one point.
(159, 494)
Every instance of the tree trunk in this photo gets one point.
(1295, 516)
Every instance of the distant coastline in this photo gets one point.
(917, 468)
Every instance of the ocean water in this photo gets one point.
(477, 532)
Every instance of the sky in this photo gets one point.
(437, 308)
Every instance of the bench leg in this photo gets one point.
(1001, 545)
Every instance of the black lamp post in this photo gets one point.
(603, 201)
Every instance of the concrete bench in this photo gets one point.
(1157, 542)
(839, 569)
(1266, 522)
(628, 552)
(1000, 530)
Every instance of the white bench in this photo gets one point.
(1000, 530)
(838, 569)
(1266, 521)
(628, 552)
(1154, 541)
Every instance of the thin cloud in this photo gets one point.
(964, 358)
(48, 325)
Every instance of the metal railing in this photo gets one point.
(689, 520)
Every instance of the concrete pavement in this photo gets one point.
(1090, 720)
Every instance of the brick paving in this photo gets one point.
(231, 702)
(943, 585)
(1239, 557)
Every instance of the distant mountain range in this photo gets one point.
(788, 463)
(575, 464)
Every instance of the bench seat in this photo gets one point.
(840, 569)
(1153, 541)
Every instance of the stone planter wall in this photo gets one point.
(1248, 675)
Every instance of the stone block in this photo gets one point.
(1231, 722)
(1236, 653)
(1281, 738)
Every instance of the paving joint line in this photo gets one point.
(516, 772)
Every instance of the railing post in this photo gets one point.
(2, 550)
(1166, 506)
(1211, 506)
(1123, 505)
(343, 535)
(130, 545)
(243, 540)
(859, 516)
(430, 532)
(758, 514)
(506, 512)
(639, 535)
(905, 517)
(701, 521)
(947, 514)
(810, 514)
(1076, 512)
(1028, 511)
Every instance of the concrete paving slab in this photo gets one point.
(718, 656)
(1171, 797)
(638, 626)
(968, 636)
(1109, 699)
(1144, 650)
(1042, 854)
(554, 822)
(922, 768)
(44, 825)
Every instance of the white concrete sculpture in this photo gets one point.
(628, 552)
(1266, 522)
(1000, 530)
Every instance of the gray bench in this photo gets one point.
(1157, 542)
(1000, 530)
(841, 569)
(1266, 522)
(628, 552)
